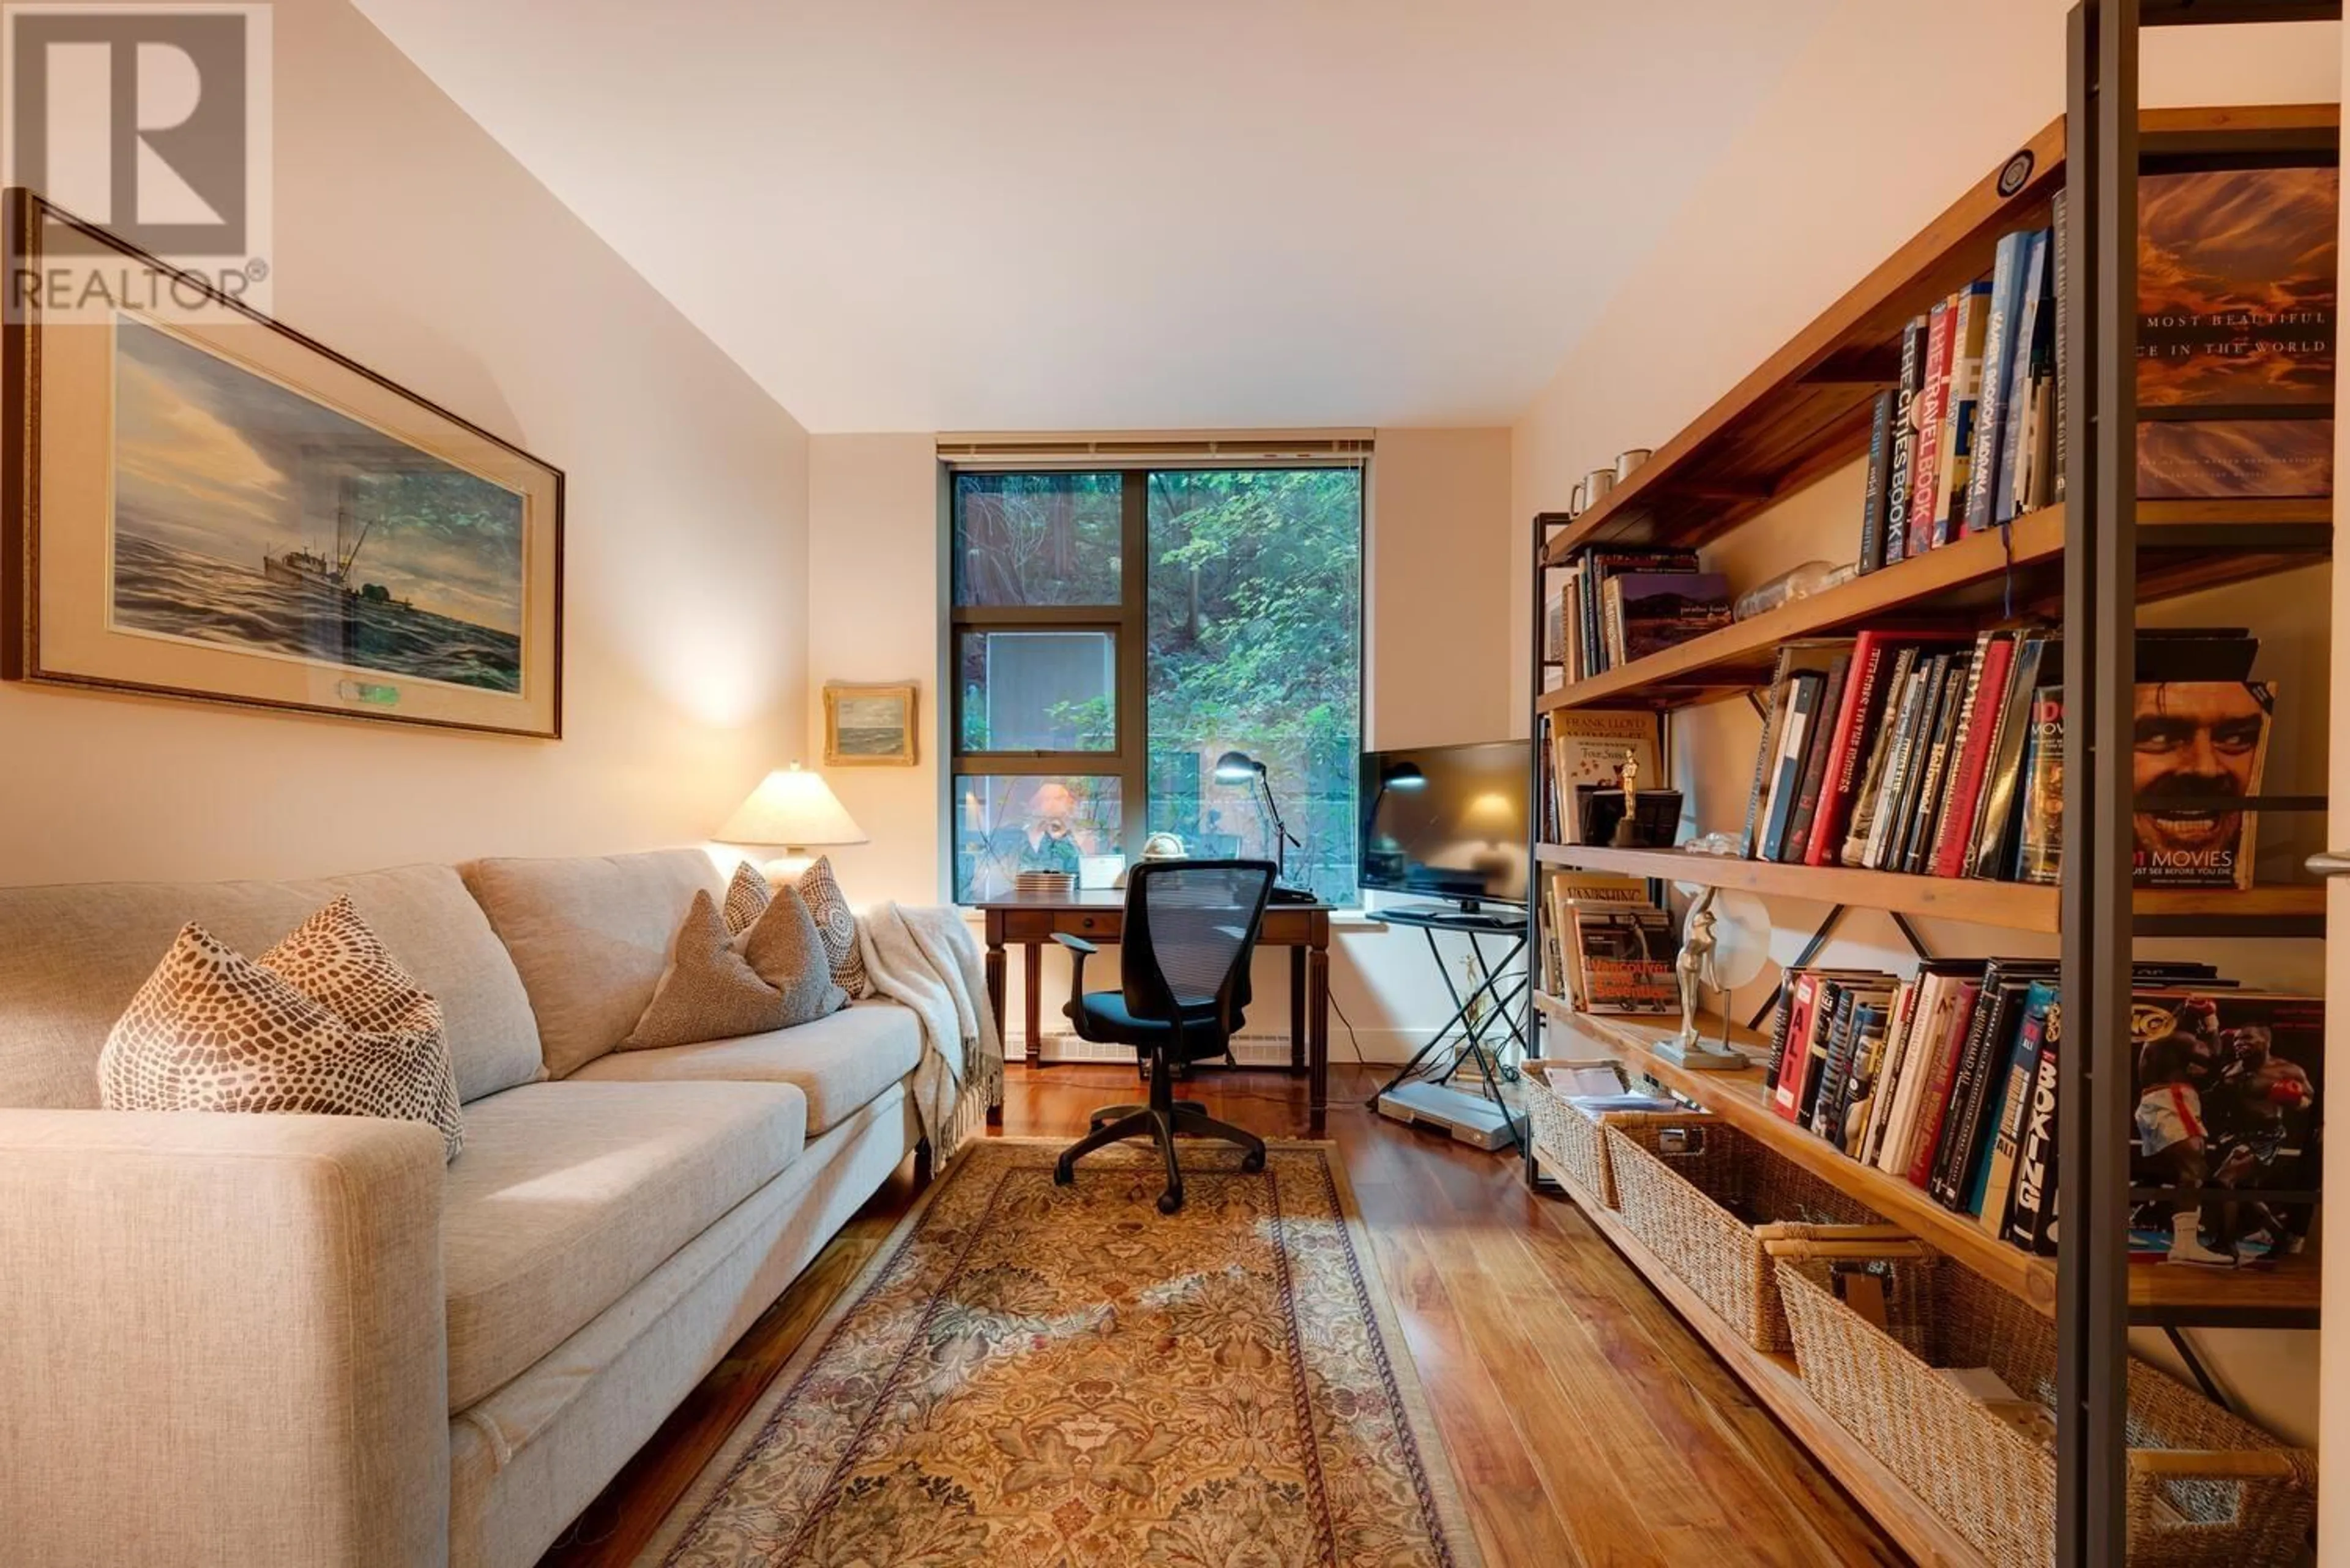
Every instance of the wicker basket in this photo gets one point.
(1705, 1205)
(2204, 1486)
(1565, 1136)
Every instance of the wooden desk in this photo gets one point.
(1303, 928)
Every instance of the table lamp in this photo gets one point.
(795, 811)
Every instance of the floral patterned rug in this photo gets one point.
(1032, 1374)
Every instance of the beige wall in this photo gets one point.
(1811, 196)
(1437, 522)
(410, 241)
(1440, 559)
(875, 551)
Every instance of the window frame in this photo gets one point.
(1128, 625)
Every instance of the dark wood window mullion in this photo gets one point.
(1133, 669)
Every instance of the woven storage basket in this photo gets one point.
(2204, 1486)
(1564, 1135)
(1707, 1211)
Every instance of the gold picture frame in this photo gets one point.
(869, 726)
(206, 504)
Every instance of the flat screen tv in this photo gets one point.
(1449, 822)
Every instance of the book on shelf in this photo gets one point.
(1901, 455)
(2237, 296)
(1812, 773)
(1929, 413)
(1972, 320)
(1590, 746)
(1625, 956)
(1647, 612)
(2196, 745)
(1876, 481)
(1564, 892)
(2011, 266)
(2227, 1087)
(1583, 614)
(1949, 1081)
(2031, 363)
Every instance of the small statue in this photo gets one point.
(1695, 965)
(1628, 834)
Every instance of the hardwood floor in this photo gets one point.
(1588, 1425)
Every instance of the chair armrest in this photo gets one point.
(1080, 949)
(226, 1339)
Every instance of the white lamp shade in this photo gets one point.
(791, 807)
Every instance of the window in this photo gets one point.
(1116, 632)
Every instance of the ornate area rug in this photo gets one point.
(1032, 1374)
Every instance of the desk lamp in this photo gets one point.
(1240, 768)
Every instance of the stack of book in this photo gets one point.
(1949, 1081)
(2236, 303)
(1968, 440)
(1617, 603)
(1607, 948)
(1920, 751)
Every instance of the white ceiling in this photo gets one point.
(925, 214)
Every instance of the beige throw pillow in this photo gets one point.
(710, 992)
(326, 1023)
(786, 951)
(838, 921)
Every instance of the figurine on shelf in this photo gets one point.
(1628, 834)
(1725, 939)
(1695, 964)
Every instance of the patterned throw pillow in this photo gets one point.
(747, 897)
(710, 992)
(326, 1023)
(821, 891)
(786, 951)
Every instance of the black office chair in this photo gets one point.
(1190, 927)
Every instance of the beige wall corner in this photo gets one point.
(875, 545)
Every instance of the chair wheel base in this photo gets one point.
(1171, 1200)
(1064, 1173)
(1253, 1162)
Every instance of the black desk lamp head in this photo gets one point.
(1240, 768)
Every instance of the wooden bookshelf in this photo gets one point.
(2282, 1294)
(2288, 908)
(1805, 412)
(2183, 547)
(1774, 1381)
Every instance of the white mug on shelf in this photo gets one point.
(1628, 461)
(1596, 484)
(1575, 499)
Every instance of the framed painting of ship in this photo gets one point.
(204, 503)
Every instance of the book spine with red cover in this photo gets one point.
(1787, 1099)
(1947, 1051)
(1957, 826)
(1862, 691)
(1933, 405)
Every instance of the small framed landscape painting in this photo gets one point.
(868, 726)
(208, 504)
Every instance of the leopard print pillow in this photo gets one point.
(326, 1023)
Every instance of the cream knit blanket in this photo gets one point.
(928, 959)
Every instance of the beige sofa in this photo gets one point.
(303, 1341)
